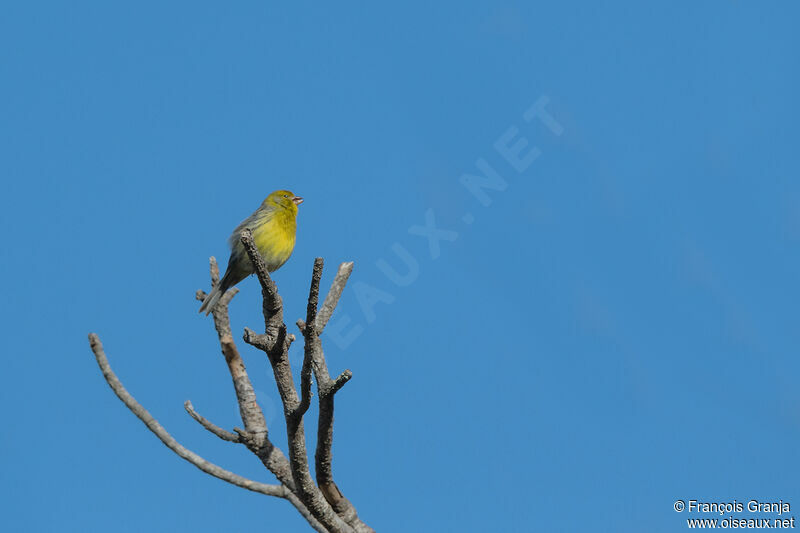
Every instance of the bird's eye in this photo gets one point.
(286, 196)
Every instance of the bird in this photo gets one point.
(273, 225)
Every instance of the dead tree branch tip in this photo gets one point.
(320, 502)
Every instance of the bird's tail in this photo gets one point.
(216, 293)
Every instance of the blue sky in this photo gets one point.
(616, 330)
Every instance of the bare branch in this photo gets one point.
(212, 261)
(306, 490)
(216, 430)
(273, 305)
(275, 344)
(253, 418)
(335, 292)
(303, 510)
(152, 424)
(339, 382)
(313, 293)
(251, 413)
(327, 388)
(256, 340)
(322, 504)
(311, 313)
(305, 385)
(324, 457)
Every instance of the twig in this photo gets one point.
(323, 505)
(253, 418)
(216, 430)
(313, 292)
(255, 435)
(305, 385)
(339, 382)
(311, 313)
(275, 344)
(152, 424)
(273, 305)
(251, 413)
(303, 510)
(311, 328)
(335, 292)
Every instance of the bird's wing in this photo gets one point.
(261, 216)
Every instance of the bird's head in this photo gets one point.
(283, 200)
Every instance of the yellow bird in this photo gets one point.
(274, 225)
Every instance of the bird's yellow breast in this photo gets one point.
(274, 237)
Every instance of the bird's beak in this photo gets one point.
(297, 200)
